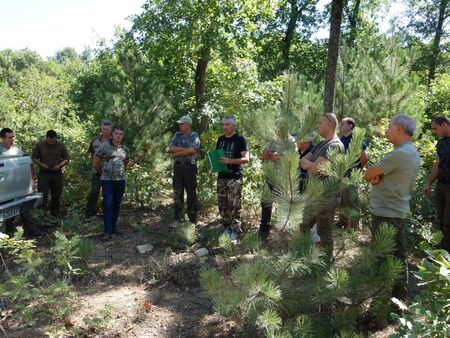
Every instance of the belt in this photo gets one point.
(184, 163)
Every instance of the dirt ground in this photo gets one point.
(128, 294)
(119, 296)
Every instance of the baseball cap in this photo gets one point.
(185, 119)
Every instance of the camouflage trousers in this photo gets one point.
(229, 193)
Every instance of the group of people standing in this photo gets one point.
(109, 161)
(392, 177)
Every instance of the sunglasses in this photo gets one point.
(328, 118)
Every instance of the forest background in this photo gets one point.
(214, 58)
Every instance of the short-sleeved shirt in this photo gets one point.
(321, 148)
(50, 154)
(233, 147)
(94, 146)
(13, 151)
(190, 140)
(113, 161)
(391, 197)
(443, 152)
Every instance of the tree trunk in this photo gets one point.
(353, 19)
(200, 79)
(437, 41)
(290, 31)
(333, 53)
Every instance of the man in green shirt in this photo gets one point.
(392, 179)
(51, 156)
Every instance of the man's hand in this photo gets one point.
(275, 156)
(266, 154)
(375, 180)
(44, 166)
(225, 160)
(427, 189)
(56, 167)
(305, 163)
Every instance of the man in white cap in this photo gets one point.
(183, 148)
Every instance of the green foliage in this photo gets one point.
(269, 322)
(186, 232)
(429, 314)
(29, 289)
(71, 254)
(251, 241)
(275, 293)
(438, 97)
(376, 81)
(226, 244)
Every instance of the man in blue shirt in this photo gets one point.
(350, 204)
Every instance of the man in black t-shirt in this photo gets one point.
(229, 183)
(441, 172)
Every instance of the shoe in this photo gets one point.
(234, 238)
(201, 224)
(117, 232)
(106, 237)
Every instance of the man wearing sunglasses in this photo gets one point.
(312, 162)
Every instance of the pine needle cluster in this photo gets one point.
(300, 294)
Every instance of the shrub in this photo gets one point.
(29, 289)
(71, 254)
(276, 293)
(429, 314)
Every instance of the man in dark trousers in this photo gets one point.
(350, 205)
(229, 183)
(104, 137)
(392, 180)
(323, 217)
(441, 172)
(51, 156)
(9, 148)
(304, 147)
(183, 149)
(271, 152)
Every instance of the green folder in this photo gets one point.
(214, 156)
